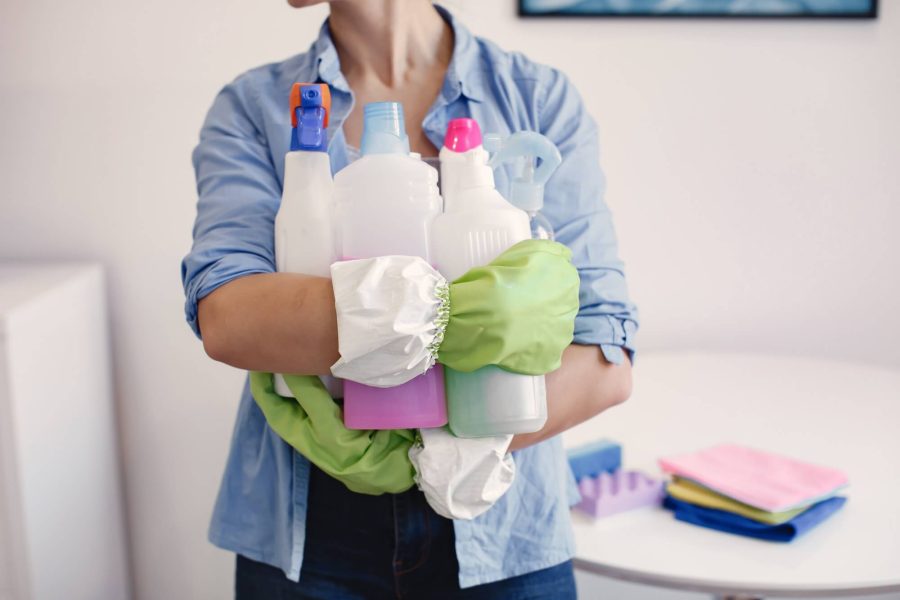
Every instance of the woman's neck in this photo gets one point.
(386, 42)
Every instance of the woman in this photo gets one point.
(297, 532)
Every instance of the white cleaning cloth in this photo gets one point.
(462, 477)
(391, 315)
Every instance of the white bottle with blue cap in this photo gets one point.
(386, 202)
(304, 225)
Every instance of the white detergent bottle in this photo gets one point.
(304, 226)
(386, 202)
(478, 224)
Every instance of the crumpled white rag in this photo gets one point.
(462, 477)
(391, 315)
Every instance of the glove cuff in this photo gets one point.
(442, 293)
(392, 312)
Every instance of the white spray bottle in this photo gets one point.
(304, 226)
(477, 225)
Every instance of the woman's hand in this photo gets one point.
(584, 386)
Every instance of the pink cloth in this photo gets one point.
(767, 481)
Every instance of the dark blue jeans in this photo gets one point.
(389, 546)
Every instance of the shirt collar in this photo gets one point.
(463, 77)
(463, 73)
(328, 66)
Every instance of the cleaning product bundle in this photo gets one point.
(749, 492)
(379, 231)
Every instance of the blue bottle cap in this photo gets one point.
(384, 130)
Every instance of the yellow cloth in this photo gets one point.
(688, 491)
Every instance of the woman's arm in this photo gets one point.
(272, 322)
(285, 323)
(584, 386)
(247, 315)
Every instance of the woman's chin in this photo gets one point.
(304, 3)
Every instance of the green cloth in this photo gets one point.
(518, 312)
(367, 462)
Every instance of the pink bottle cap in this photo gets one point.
(462, 135)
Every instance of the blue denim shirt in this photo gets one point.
(261, 508)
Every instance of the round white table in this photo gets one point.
(833, 413)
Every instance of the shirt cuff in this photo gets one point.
(223, 270)
(615, 337)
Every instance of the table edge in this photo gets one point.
(726, 587)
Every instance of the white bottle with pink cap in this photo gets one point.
(477, 225)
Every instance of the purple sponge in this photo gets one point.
(608, 494)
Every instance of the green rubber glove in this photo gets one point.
(518, 312)
(367, 462)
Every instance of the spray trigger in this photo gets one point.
(526, 148)
(310, 108)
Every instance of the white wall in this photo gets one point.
(753, 167)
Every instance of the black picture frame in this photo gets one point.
(871, 14)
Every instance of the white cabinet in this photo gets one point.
(61, 518)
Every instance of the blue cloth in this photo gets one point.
(389, 546)
(261, 510)
(732, 523)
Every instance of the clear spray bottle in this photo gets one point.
(527, 188)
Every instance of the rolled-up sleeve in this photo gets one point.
(575, 206)
(238, 196)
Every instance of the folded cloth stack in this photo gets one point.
(749, 492)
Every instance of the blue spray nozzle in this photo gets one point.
(527, 188)
(384, 129)
(310, 108)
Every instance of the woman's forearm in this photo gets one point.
(286, 323)
(584, 386)
(272, 322)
